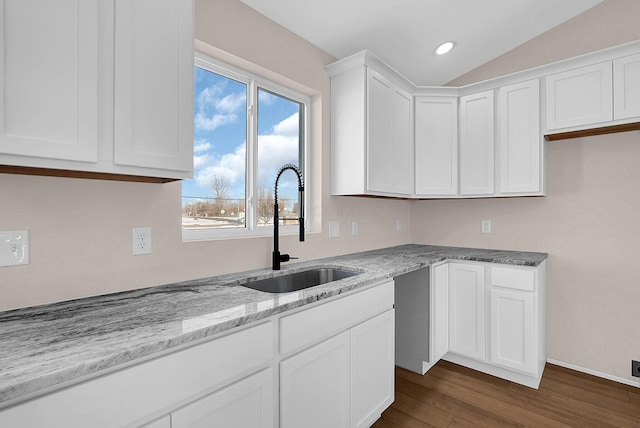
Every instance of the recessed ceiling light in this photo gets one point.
(444, 48)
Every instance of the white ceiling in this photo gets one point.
(404, 33)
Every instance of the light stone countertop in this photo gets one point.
(48, 347)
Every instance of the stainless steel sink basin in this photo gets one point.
(299, 280)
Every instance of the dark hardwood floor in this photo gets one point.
(450, 395)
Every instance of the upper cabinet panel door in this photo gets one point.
(154, 84)
(436, 160)
(401, 147)
(580, 97)
(48, 79)
(477, 144)
(520, 140)
(626, 97)
(379, 92)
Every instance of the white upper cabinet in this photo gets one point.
(153, 82)
(477, 144)
(98, 87)
(436, 146)
(371, 131)
(389, 129)
(49, 79)
(519, 138)
(580, 97)
(626, 74)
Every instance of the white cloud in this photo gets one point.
(274, 150)
(202, 145)
(231, 166)
(231, 103)
(288, 127)
(214, 111)
(202, 160)
(205, 123)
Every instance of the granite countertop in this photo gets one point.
(47, 347)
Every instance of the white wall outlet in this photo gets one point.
(355, 228)
(486, 226)
(14, 248)
(141, 241)
(398, 226)
(334, 229)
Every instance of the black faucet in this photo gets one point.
(277, 257)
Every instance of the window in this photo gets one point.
(245, 130)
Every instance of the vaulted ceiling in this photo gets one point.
(405, 33)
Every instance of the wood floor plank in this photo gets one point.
(450, 395)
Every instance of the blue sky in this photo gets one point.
(220, 125)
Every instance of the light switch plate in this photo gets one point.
(14, 248)
(355, 228)
(334, 229)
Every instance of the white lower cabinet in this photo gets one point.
(314, 387)
(512, 329)
(497, 320)
(339, 361)
(247, 403)
(467, 310)
(372, 369)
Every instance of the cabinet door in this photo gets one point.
(512, 330)
(580, 97)
(626, 78)
(520, 139)
(466, 310)
(372, 369)
(314, 386)
(246, 403)
(477, 144)
(378, 132)
(401, 142)
(439, 337)
(48, 79)
(436, 146)
(154, 84)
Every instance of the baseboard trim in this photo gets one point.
(594, 373)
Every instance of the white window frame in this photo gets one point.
(254, 82)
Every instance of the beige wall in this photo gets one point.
(80, 230)
(588, 223)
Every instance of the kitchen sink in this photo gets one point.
(299, 280)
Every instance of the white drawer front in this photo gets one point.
(519, 279)
(313, 324)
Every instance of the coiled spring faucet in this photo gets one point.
(277, 257)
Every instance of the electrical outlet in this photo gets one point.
(486, 226)
(141, 241)
(635, 368)
(398, 226)
(355, 228)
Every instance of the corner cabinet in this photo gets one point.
(436, 146)
(112, 93)
(371, 131)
